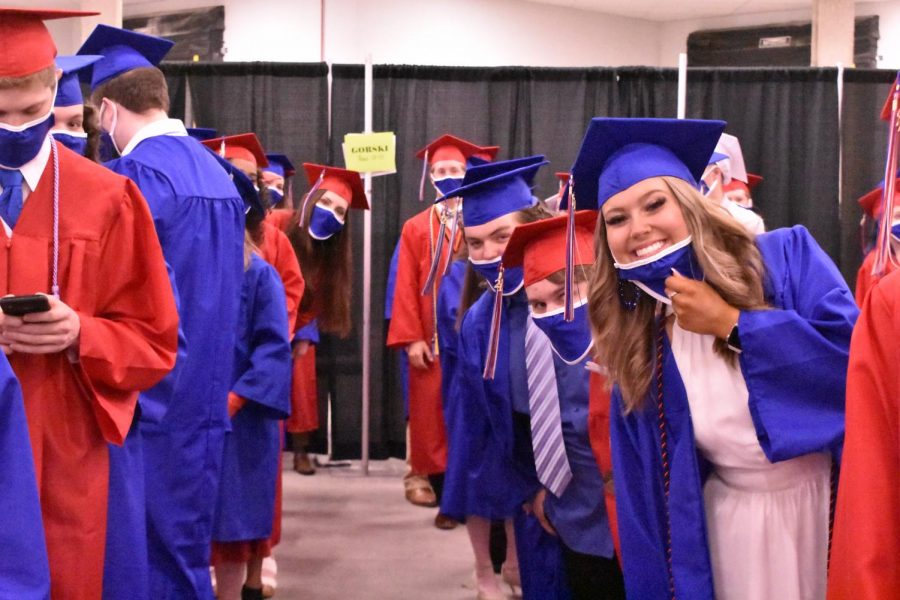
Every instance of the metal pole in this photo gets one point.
(367, 282)
(682, 85)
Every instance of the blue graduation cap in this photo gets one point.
(618, 153)
(202, 133)
(252, 201)
(68, 92)
(122, 51)
(280, 164)
(492, 190)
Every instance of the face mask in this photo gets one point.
(324, 223)
(447, 185)
(112, 126)
(706, 190)
(74, 141)
(513, 278)
(20, 144)
(570, 340)
(275, 196)
(895, 231)
(650, 273)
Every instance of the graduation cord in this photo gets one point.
(664, 446)
(832, 506)
(54, 288)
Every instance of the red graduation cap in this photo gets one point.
(488, 153)
(754, 180)
(26, 45)
(244, 146)
(449, 147)
(346, 184)
(871, 201)
(541, 246)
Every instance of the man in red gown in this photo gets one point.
(112, 328)
(865, 553)
(412, 327)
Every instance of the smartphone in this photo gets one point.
(17, 306)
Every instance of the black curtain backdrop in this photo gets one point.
(285, 104)
(786, 119)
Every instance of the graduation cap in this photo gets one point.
(245, 187)
(343, 182)
(201, 134)
(449, 147)
(732, 165)
(563, 178)
(244, 146)
(540, 246)
(871, 201)
(68, 92)
(492, 190)
(26, 45)
(737, 184)
(122, 51)
(618, 153)
(280, 164)
(486, 153)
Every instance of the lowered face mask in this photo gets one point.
(571, 340)
(513, 278)
(447, 185)
(324, 222)
(19, 144)
(73, 140)
(650, 273)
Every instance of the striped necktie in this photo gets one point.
(550, 459)
(11, 198)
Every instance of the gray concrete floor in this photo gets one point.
(348, 537)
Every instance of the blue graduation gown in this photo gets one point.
(579, 515)
(493, 472)
(262, 375)
(388, 313)
(24, 570)
(199, 218)
(794, 362)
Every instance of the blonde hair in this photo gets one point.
(249, 249)
(732, 266)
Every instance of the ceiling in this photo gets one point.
(655, 10)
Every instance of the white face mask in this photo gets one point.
(112, 125)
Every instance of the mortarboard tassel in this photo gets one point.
(222, 149)
(422, 180)
(454, 228)
(569, 301)
(308, 197)
(490, 362)
(883, 247)
(435, 258)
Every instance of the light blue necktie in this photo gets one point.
(550, 459)
(11, 198)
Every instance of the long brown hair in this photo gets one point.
(473, 284)
(91, 124)
(732, 266)
(327, 267)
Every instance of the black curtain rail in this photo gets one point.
(232, 69)
(870, 75)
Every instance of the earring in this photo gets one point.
(629, 295)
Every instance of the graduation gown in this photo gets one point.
(403, 360)
(794, 362)
(865, 553)
(262, 364)
(413, 319)
(493, 473)
(199, 218)
(304, 385)
(112, 273)
(276, 250)
(865, 281)
(598, 432)
(24, 572)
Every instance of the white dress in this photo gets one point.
(767, 522)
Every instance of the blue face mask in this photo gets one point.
(895, 231)
(570, 340)
(76, 142)
(513, 278)
(21, 143)
(448, 185)
(275, 196)
(324, 223)
(650, 273)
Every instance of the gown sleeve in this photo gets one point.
(794, 357)
(866, 545)
(309, 333)
(285, 262)
(266, 380)
(406, 320)
(129, 342)
(24, 570)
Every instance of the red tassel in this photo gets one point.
(422, 180)
(435, 259)
(490, 362)
(569, 310)
(309, 195)
(883, 248)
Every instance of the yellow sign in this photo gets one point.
(371, 152)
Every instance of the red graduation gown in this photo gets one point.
(865, 552)
(864, 279)
(413, 320)
(111, 271)
(598, 430)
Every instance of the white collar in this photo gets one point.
(34, 168)
(154, 129)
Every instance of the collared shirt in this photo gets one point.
(154, 129)
(31, 173)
